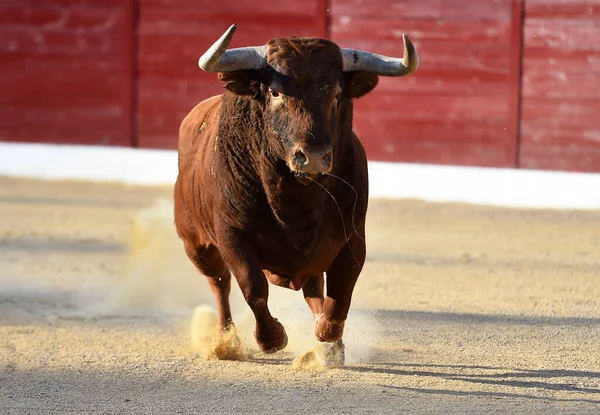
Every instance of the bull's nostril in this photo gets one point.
(326, 160)
(300, 158)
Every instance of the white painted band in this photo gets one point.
(489, 186)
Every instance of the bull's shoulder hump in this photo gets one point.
(207, 109)
(199, 125)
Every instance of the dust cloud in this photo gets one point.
(158, 278)
(321, 356)
(206, 339)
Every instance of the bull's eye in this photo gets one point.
(338, 96)
(277, 98)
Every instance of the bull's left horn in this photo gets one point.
(358, 60)
(218, 59)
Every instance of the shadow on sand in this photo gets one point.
(507, 378)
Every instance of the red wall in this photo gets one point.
(501, 82)
(560, 128)
(455, 108)
(65, 71)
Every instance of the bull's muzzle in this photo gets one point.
(311, 160)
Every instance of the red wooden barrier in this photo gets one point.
(66, 71)
(561, 85)
(496, 86)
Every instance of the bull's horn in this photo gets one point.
(358, 60)
(218, 59)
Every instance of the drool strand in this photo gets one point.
(341, 216)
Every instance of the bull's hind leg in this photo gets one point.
(226, 345)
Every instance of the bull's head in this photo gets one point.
(306, 87)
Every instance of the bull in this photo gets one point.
(273, 183)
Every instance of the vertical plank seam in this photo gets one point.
(516, 77)
(323, 22)
(135, 35)
(127, 92)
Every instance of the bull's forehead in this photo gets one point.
(305, 59)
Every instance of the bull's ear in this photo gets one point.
(241, 82)
(358, 84)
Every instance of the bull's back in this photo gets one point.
(197, 135)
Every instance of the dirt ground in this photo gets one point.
(460, 309)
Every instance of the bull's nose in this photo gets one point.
(312, 160)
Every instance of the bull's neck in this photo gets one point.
(297, 206)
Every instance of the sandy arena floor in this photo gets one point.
(460, 309)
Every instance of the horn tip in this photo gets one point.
(411, 58)
(229, 32)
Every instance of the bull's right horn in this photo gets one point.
(218, 59)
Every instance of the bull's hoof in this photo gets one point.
(334, 354)
(211, 342)
(327, 331)
(228, 346)
(273, 340)
(327, 355)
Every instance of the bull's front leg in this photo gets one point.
(241, 259)
(341, 279)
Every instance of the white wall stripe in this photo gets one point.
(489, 186)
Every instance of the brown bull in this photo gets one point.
(273, 182)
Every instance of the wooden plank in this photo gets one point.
(100, 125)
(559, 84)
(434, 129)
(563, 46)
(561, 133)
(565, 34)
(457, 10)
(563, 9)
(560, 126)
(515, 84)
(72, 4)
(65, 72)
(580, 158)
(558, 59)
(561, 112)
(128, 90)
(256, 8)
(164, 103)
(24, 88)
(413, 141)
(322, 20)
(428, 108)
(468, 58)
(29, 41)
(448, 82)
(350, 32)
